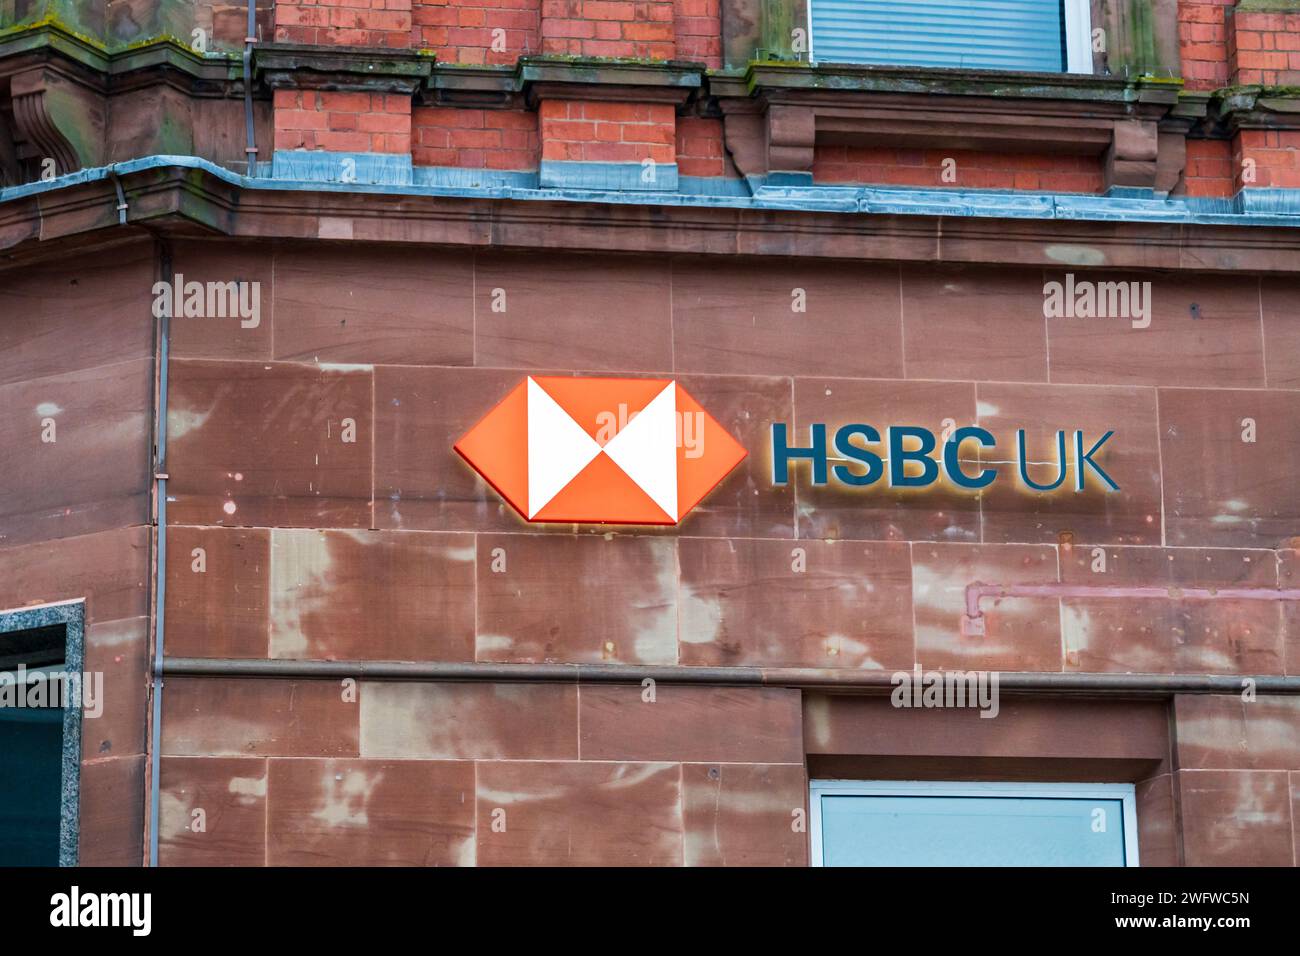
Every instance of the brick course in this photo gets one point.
(609, 28)
(973, 170)
(478, 32)
(475, 138)
(343, 122)
(375, 23)
(591, 131)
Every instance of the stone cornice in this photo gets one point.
(283, 65)
(184, 199)
(168, 60)
(831, 79)
(160, 60)
(1256, 107)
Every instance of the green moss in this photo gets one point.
(1269, 6)
(52, 22)
(1143, 54)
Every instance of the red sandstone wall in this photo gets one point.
(76, 345)
(381, 549)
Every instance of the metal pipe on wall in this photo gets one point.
(803, 677)
(163, 351)
(972, 623)
(250, 37)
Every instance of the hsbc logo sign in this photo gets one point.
(643, 451)
(600, 450)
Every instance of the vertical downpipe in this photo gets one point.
(160, 553)
(250, 37)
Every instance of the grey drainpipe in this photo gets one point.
(845, 678)
(160, 572)
(250, 37)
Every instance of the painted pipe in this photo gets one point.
(121, 196)
(799, 677)
(972, 624)
(250, 37)
(160, 553)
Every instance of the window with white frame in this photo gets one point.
(925, 823)
(1053, 36)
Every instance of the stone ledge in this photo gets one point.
(178, 195)
(355, 69)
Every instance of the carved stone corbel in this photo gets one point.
(56, 119)
(791, 133)
(1131, 158)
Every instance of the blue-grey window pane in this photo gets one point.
(974, 34)
(970, 831)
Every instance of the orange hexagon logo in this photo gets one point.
(600, 450)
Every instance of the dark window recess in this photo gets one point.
(31, 753)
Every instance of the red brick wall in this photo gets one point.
(1202, 37)
(698, 28)
(700, 149)
(973, 170)
(465, 32)
(343, 122)
(591, 131)
(1276, 156)
(474, 138)
(1211, 169)
(378, 23)
(608, 28)
(1263, 48)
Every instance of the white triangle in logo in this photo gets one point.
(558, 448)
(646, 449)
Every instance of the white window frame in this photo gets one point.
(1124, 792)
(1078, 36)
(1076, 19)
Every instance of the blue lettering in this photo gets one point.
(898, 457)
(952, 464)
(782, 453)
(1086, 460)
(875, 467)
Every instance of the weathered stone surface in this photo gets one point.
(796, 603)
(232, 717)
(1216, 636)
(579, 814)
(1022, 633)
(688, 723)
(743, 815)
(1236, 818)
(480, 721)
(212, 811)
(577, 599)
(1222, 489)
(370, 813)
(257, 444)
(772, 318)
(959, 320)
(83, 440)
